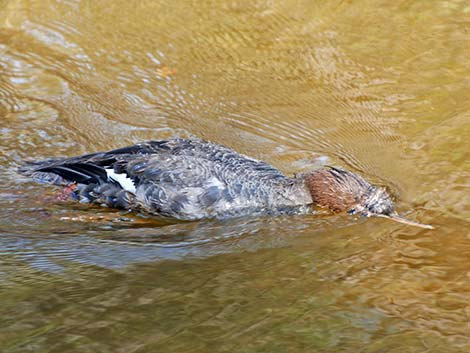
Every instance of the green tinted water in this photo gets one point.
(381, 88)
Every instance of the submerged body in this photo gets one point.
(190, 179)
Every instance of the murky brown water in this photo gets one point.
(379, 87)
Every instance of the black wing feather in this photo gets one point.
(78, 172)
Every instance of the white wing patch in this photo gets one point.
(122, 179)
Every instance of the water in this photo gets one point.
(380, 88)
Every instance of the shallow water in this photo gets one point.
(378, 87)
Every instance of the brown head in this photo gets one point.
(342, 191)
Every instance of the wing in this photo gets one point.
(168, 178)
(185, 179)
(182, 186)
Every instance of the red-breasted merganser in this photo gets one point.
(191, 179)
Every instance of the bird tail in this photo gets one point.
(35, 170)
(64, 171)
(92, 183)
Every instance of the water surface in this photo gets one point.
(378, 87)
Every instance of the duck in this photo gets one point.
(194, 179)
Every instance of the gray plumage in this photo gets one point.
(185, 179)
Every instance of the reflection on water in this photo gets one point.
(378, 87)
